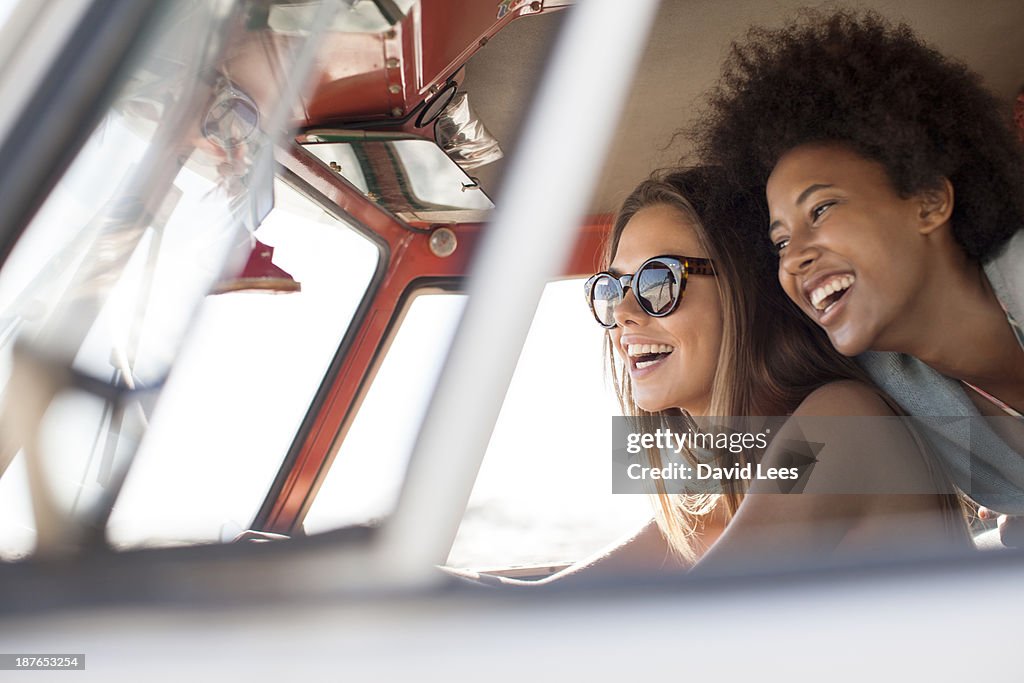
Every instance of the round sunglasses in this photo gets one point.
(658, 285)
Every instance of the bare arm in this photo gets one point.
(645, 551)
(856, 498)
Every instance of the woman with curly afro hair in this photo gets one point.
(895, 193)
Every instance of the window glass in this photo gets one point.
(544, 491)
(231, 407)
(403, 175)
(102, 290)
(436, 179)
(362, 484)
(543, 495)
(211, 455)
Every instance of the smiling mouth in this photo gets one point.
(642, 356)
(825, 296)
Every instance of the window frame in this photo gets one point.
(352, 333)
(408, 264)
(352, 370)
(428, 286)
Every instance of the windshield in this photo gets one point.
(99, 292)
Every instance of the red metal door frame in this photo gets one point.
(409, 259)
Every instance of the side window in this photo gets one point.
(363, 482)
(543, 495)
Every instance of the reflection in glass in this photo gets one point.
(406, 176)
(99, 293)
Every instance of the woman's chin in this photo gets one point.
(849, 345)
(660, 404)
(650, 404)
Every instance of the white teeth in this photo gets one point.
(645, 363)
(644, 349)
(836, 284)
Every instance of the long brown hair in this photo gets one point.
(771, 357)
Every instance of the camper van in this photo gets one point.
(297, 372)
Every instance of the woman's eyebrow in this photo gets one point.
(811, 189)
(801, 198)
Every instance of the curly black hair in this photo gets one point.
(855, 79)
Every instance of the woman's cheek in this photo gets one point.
(789, 286)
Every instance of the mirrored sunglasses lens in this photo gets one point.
(605, 297)
(657, 288)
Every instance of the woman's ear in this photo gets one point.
(935, 206)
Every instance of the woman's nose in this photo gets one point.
(628, 312)
(800, 254)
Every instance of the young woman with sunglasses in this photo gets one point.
(693, 330)
(896, 197)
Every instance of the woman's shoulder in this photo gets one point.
(860, 444)
(845, 397)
